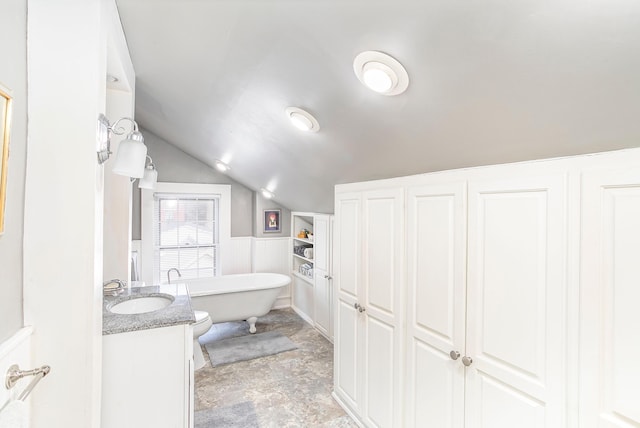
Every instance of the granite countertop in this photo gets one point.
(178, 312)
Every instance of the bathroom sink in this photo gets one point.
(141, 304)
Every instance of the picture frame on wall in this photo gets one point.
(5, 132)
(271, 221)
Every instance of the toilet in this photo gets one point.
(202, 325)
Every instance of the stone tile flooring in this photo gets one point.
(291, 389)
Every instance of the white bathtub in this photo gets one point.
(237, 297)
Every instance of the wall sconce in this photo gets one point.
(150, 178)
(132, 153)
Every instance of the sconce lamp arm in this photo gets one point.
(120, 130)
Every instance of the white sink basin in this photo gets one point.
(141, 305)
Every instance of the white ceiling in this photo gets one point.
(490, 82)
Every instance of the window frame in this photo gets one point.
(223, 192)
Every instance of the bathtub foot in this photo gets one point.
(252, 324)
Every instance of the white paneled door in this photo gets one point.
(610, 299)
(322, 295)
(436, 261)
(347, 272)
(382, 264)
(368, 270)
(515, 299)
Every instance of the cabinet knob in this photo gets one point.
(327, 277)
(359, 307)
(454, 355)
(467, 361)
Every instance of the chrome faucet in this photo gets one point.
(111, 291)
(169, 277)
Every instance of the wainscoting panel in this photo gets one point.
(272, 255)
(240, 258)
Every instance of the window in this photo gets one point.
(185, 235)
(184, 226)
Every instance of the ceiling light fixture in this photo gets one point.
(381, 73)
(221, 166)
(302, 120)
(268, 194)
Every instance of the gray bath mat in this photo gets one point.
(243, 348)
(241, 415)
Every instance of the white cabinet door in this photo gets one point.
(610, 299)
(381, 299)
(368, 271)
(322, 297)
(436, 261)
(515, 293)
(347, 271)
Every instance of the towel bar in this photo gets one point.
(14, 374)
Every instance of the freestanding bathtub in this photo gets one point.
(237, 297)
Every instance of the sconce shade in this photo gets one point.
(150, 178)
(131, 156)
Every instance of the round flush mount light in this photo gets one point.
(381, 73)
(221, 166)
(303, 120)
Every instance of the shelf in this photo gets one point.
(303, 258)
(305, 240)
(302, 277)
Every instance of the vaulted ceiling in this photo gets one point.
(491, 81)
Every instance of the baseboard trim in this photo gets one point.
(347, 409)
(282, 302)
(303, 316)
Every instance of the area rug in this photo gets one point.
(249, 347)
(241, 415)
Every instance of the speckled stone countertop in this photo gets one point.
(178, 312)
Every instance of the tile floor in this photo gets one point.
(291, 389)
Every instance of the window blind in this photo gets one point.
(186, 235)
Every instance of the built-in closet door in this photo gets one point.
(322, 296)
(436, 261)
(515, 298)
(610, 300)
(347, 250)
(381, 306)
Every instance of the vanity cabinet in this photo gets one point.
(148, 378)
(311, 269)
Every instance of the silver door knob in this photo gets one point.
(356, 305)
(454, 355)
(361, 309)
(327, 277)
(467, 361)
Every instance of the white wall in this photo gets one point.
(117, 188)
(67, 57)
(13, 76)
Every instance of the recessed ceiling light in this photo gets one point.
(267, 193)
(381, 73)
(221, 166)
(302, 120)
